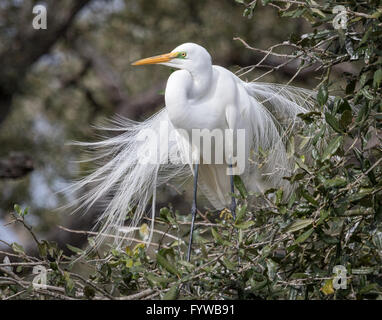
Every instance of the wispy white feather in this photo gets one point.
(121, 183)
(280, 105)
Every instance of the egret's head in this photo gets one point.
(188, 56)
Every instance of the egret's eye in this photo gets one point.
(182, 55)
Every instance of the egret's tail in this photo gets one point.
(127, 174)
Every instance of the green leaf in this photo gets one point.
(367, 94)
(89, 292)
(157, 280)
(318, 12)
(258, 285)
(317, 137)
(43, 248)
(279, 196)
(69, 284)
(165, 214)
(217, 236)
(74, 249)
(309, 198)
(22, 213)
(304, 236)
(332, 121)
(291, 200)
(299, 275)
(172, 294)
(301, 164)
(377, 78)
(266, 251)
(332, 148)
(167, 265)
(187, 264)
(271, 268)
(245, 225)
(17, 208)
(335, 182)
(240, 186)
(299, 224)
(322, 95)
(346, 119)
(343, 105)
(241, 213)
(17, 248)
(228, 264)
(370, 288)
(359, 195)
(323, 215)
(350, 87)
(362, 113)
(328, 239)
(26, 211)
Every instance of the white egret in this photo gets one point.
(198, 96)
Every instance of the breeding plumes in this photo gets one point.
(243, 129)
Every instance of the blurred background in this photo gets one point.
(55, 84)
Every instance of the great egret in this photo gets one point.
(198, 96)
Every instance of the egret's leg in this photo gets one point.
(233, 200)
(193, 211)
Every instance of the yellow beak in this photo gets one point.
(156, 59)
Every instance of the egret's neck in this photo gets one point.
(201, 82)
(184, 86)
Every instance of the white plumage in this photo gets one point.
(198, 96)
